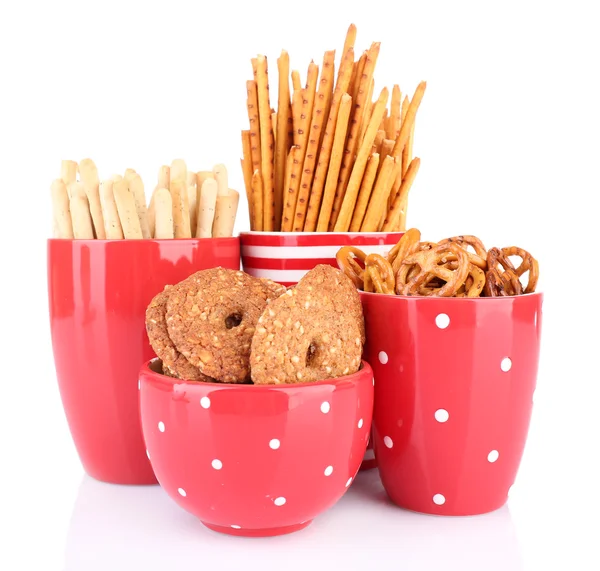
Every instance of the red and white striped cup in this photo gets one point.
(285, 257)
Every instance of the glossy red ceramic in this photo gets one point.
(98, 292)
(256, 460)
(285, 257)
(454, 381)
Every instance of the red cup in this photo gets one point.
(285, 257)
(98, 293)
(255, 460)
(454, 381)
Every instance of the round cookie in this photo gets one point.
(211, 318)
(174, 363)
(306, 335)
(272, 289)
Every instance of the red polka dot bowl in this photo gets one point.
(255, 460)
(454, 383)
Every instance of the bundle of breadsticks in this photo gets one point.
(184, 204)
(329, 158)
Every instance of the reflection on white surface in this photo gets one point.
(128, 528)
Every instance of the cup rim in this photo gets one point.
(143, 240)
(364, 371)
(261, 233)
(452, 299)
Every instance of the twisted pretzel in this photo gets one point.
(474, 283)
(379, 275)
(406, 246)
(529, 263)
(501, 277)
(346, 260)
(479, 257)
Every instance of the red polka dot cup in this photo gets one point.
(98, 293)
(454, 382)
(255, 460)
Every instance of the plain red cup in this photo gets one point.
(454, 382)
(285, 257)
(98, 292)
(255, 460)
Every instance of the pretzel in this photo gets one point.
(479, 258)
(474, 283)
(529, 263)
(346, 260)
(405, 246)
(504, 281)
(431, 262)
(378, 275)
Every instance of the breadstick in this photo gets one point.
(252, 105)
(266, 143)
(112, 223)
(393, 214)
(225, 211)
(256, 220)
(116, 177)
(379, 137)
(378, 200)
(409, 119)
(350, 40)
(326, 86)
(308, 169)
(80, 217)
(360, 68)
(274, 128)
(206, 208)
(314, 204)
(398, 182)
(191, 178)
(335, 162)
(297, 99)
(408, 150)
(221, 176)
(246, 163)
(283, 109)
(152, 212)
(293, 181)
(125, 202)
(254, 67)
(349, 201)
(68, 172)
(364, 194)
(163, 214)
(178, 170)
(181, 214)
(61, 209)
(393, 125)
(290, 129)
(137, 189)
(193, 206)
(383, 122)
(201, 176)
(129, 172)
(164, 177)
(89, 177)
(352, 140)
(296, 83)
(367, 115)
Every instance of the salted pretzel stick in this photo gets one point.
(281, 146)
(393, 125)
(181, 215)
(409, 119)
(206, 208)
(61, 209)
(398, 182)
(88, 174)
(110, 214)
(246, 163)
(308, 103)
(393, 214)
(252, 105)
(125, 202)
(266, 143)
(316, 126)
(350, 40)
(326, 87)
(386, 147)
(81, 218)
(137, 189)
(337, 151)
(360, 67)
(256, 214)
(297, 99)
(164, 177)
(68, 172)
(296, 83)
(293, 182)
(163, 214)
(407, 152)
(225, 212)
(367, 115)
(254, 62)
(343, 222)
(352, 140)
(364, 194)
(314, 204)
(379, 137)
(378, 201)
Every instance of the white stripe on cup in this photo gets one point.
(306, 252)
(287, 276)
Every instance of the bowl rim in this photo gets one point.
(261, 233)
(143, 240)
(451, 299)
(365, 371)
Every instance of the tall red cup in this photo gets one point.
(98, 293)
(454, 381)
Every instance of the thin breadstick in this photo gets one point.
(221, 176)
(350, 39)
(129, 172)
(409, 119)
(308, 103)
(80, 217)
(314, 204)
(225, 211)
(393, 214)
(68, 172)
(407, 152)
(254, 67)
(266, 143)
(246, 163)
(163, 214)
(326, 86)
(366, 187)
(352, 139)
(281, 137)
(274, 127)
(137, 189)
(206, 208)
(112, 222)
(296, 83)
(383, 122)
(191, 178)
(335, 162)
(61, 209)
(393, 125)
(181, 215)
(308, 169)
(297, 115)
(290, 129)
(252, 105)
(398, 182)
(367, 115)
(360, 68)
(88, 174)
(178, 170)
(164, 177)
(378, 200)
(345, 214)
(379, 137)
(256, 221)
(294, 168)
(125, 202)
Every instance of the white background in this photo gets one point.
(508, 134)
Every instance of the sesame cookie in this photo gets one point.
(211, 318)
(174, 363)
(308, 334)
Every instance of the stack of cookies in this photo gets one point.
(222, 325)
